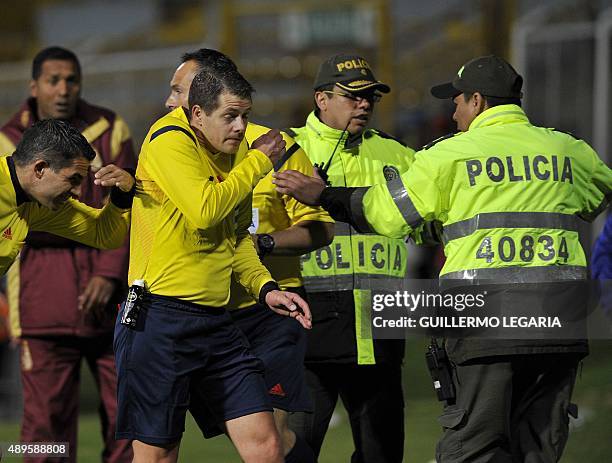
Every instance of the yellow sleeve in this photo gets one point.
(7, 147)
(175, 164)
(296, 210)
(248, 269)
(396, 208)
(426, 233)
(104, 228)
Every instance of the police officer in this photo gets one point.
(341, 357)
(509, 196)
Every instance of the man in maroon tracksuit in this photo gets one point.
(63, 296)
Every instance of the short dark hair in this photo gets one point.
(207, 86)
(210, 60)
(53, 53)
(495, 100)
(54, 141)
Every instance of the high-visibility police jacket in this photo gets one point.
(509, 196)
(370, 158)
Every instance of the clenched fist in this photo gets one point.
(271, 144)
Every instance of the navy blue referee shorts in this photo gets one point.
(280, 342)
(178, 348)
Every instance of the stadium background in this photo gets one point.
(130, 48)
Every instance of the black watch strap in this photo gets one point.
(265, 244)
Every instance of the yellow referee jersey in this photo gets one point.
(271, 212)
(99, 228)
(185, 238)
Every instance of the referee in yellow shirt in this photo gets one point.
(188, 236)
(282, 229)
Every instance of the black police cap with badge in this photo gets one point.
(349, 72)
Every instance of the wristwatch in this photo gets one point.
(265, 244)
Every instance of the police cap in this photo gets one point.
(349, 72)
(488, 75)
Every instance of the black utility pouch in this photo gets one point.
(133, 304)
(440, 370)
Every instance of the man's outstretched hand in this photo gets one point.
(291, 305)
(111, 175)
(305, 189)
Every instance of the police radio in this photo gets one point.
(324, 166)
(440, 370)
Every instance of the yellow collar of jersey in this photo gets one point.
(502, 114)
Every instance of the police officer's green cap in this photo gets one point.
(488, 75)
(349, 72)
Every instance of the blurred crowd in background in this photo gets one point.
(129, 49)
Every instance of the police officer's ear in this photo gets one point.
(321, 100)
(479, 102)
